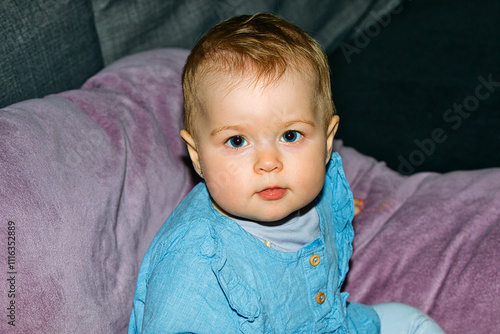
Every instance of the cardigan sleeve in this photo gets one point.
(183, 296)
(191, 288)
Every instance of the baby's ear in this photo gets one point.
(330, 134)
(192, 150)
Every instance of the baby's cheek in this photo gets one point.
(222, 186)
(314, 183)
(217, 184)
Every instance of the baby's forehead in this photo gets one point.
(249, 78)
(225, 95)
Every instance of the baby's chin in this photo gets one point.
(262, 218)
(276, 217)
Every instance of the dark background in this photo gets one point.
(394, 86)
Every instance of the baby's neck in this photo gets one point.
(278, 222)
(288, 234)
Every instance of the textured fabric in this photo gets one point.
(47, 46)
(88, 177)
(429, 240)
(288, 234)
(204, 274)
(129, 26)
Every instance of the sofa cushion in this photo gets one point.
(429, 240)
(420, 89)
(130, 26)
(47, 47)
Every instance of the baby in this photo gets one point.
(263, 244)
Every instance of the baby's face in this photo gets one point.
(262, 149)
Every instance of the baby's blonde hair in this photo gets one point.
(264, 43)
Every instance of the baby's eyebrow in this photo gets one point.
(243, 127)
(238, 128)
(292, 122)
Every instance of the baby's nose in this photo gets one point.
(268, 160)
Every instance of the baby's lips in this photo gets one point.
(272, 193)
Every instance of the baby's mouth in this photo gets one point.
(272, 193)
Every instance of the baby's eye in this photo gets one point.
(291, 136)
(236, 141)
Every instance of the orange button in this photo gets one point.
(314, 260)
(320, 298)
